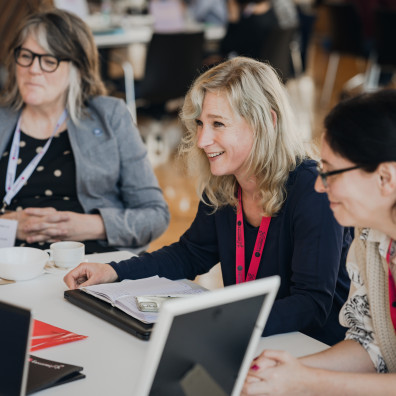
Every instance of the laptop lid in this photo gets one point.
(15, 331)
(203, 344)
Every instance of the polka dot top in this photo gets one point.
(53, 181)
(52, 184)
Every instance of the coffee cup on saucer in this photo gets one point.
(66, 254)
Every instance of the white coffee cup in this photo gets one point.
(66, 254)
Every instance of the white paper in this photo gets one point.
(8, 229)
(122, 294)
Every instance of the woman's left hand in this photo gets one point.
(276, 373)
(50, 225)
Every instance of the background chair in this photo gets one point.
(346, 38)
(383, 57)
(280, 49)
(173, 61)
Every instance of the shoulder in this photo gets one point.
(304, 174)
(107, 104)
(110, 112)
(300, 190)
(8, 118)
(5, 111)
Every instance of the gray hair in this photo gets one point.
(65, 36)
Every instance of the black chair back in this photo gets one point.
(173, 62)
(345, 29)
(385, 38)
(275, 49)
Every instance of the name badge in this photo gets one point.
(8, 229)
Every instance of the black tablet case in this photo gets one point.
(109, 313)
(45, 374)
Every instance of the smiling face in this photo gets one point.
(39, 88)
(355, 197)
(224, 136)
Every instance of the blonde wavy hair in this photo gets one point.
(254, 91)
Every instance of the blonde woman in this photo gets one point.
(259, 214)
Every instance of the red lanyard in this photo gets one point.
(392, 288)
(240, 245)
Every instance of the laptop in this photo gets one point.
(204, 344)
(15, 332)
(20, 373)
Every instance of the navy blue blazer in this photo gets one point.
(305, 246)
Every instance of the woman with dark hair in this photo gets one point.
(73, 166)
(358, 173)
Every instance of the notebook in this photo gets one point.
(116, 302)
(111, 314)
(204, 344)
(20, 373)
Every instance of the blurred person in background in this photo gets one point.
(250, 21)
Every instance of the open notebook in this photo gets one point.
(20, 373)
(204, 344)
(116, 302)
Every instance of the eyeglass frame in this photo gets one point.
(324, 175)
(39, 56)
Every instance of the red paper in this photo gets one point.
(46, 335)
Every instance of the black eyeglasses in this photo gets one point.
(325, 175)
(48, 63)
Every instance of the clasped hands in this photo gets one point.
(48, 225)
(276, 373)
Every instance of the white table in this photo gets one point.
(111, 357)
(141, 34)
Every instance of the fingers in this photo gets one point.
(77, 277)
(87, 274)
(255, 388)
(277, 356)
(47, 235)
(40, 211)
(33, 225)
(45, 229)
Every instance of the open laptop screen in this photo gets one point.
(14, 344)
(203, 345)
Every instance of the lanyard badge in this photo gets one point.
(240, 245)
(13, 186)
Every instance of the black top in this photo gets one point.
(305, 246)
(246, 37)
(52, 184)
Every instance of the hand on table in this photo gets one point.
(87, 274)
(276, 373)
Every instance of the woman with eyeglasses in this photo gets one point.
(259, 214)
(358, 174)
(72, 165)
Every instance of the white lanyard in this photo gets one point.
(12, 187)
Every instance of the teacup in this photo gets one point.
(66, 254)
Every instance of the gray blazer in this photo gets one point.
(113, 174)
